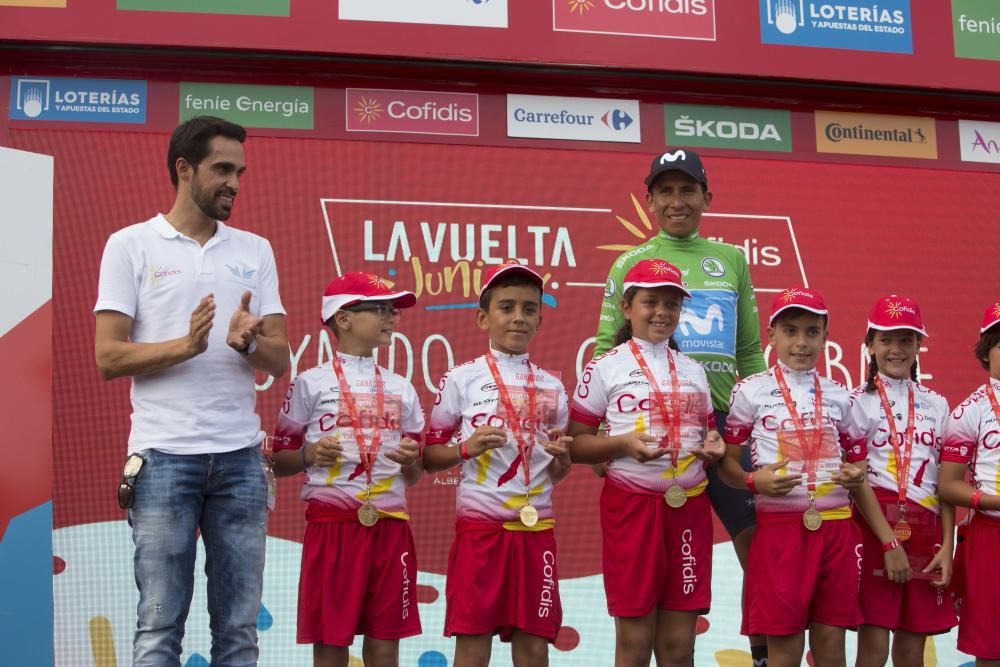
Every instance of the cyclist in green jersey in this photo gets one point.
(719, 326)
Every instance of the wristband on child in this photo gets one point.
(463, 451)
(890, 545)
(977, 496)
(750, 484)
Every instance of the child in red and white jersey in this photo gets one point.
(354, 429)
(900, 423)
(508, 417)
(804, 565)
(656, 518)
(972, 443)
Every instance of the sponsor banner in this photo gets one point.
(283, 107)
(845, 24)
(676, 19)
(976, 26)
(979, 140)
(574, 118)
(473, 13)
(77, 100)
(243, 7)
(412, 111)
(869, 134)
(728, 127)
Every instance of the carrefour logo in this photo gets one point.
(78, 100)
(616, 119)
(844, 24)
(574, 118)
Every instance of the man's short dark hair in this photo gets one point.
(191, 140)
(987, 341)
(512, 280)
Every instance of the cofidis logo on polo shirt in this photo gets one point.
(838, 24)
(574, 118)
(676, 19)
(868, 134)
(472, 13)
(412, 111)
(78, 100)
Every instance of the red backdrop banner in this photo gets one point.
(432, 218)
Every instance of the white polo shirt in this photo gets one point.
(156, 275)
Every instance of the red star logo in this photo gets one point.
(377, 282)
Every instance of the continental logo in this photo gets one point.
(869, 134)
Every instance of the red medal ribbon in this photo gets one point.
(674, 420)
(368, 451)
(810, 450)
(993, 399)
(523, 446)
(903, 457)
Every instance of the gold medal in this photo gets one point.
(812, 519)
(368, 515)
(529, 516)
(675, 496)
(902, 530)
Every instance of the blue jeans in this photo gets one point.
(225, 496)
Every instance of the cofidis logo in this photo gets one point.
(676, 19)
(78, 100)
(412, 111)
(574, 118)
(473, 13)
(868, 134)
(838, 24)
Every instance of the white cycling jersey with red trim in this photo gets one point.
(757, 411)
(866, 425)
(312, 410)
(614, 389)
(492, 487)
(972, 437)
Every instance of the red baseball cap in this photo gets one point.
(896, 312)
(651, 273)
(352, 288)
(991, 317)
(511, 267)
(798, 297)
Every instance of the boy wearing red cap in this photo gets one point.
(507, 416)
(901, 423)
(656, 518)
(354, 428)
(803, 570)
(972, 442)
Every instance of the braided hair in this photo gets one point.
(873, 364)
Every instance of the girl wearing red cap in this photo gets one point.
(972, 443)
(655, 516)
(901, 424)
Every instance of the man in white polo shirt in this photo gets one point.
(188, 308)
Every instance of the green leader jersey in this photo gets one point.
(719, 326)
